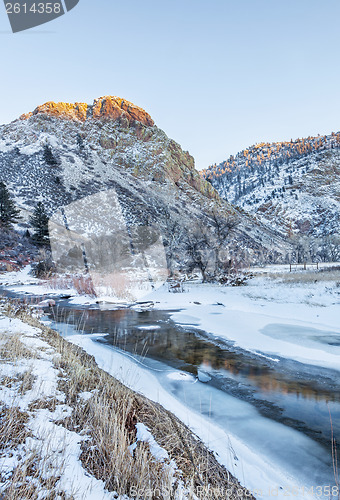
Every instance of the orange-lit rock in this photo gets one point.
(104, 108)
(76, 111)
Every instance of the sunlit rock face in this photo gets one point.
(105, 108)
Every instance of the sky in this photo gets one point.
(216, 76)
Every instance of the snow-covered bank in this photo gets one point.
(44, 444)
(24, 282)
(293, 320)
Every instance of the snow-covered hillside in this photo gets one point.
(62, 152)
(293, 185)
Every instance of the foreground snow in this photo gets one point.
(58, 448)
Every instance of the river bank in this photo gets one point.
(71, 430)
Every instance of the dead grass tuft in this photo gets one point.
(26, 482)
(12, 427)
(324, 275)
(49, 404)
(13, 349)
(84, 285)
(22, 382)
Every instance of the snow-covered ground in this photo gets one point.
(57, 450)
(269, 317)
(23, 282)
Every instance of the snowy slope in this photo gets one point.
(293, 185)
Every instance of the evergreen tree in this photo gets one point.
(49, 157)
(39, 221)
(80, 142)
(8, 213)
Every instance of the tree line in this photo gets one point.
(10, 215)
(271, 155)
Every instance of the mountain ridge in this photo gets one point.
(52, 156)
(293, 185)
(103, 108)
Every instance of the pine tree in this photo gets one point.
(49, 156)
(8, 213)
(39, 221)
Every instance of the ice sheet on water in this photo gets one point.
(184, 377)
(328, 341)
(148, 327)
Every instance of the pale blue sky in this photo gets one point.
(216, 75)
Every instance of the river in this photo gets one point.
(281, 408)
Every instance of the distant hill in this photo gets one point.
(294, 186)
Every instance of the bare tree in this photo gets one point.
(301, 246)
(334, 248)
(223, 227)
(207, 245)
(329, 250)
(173, 241)
(198, 249)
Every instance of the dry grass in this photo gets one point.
(107, 455)
(12, 427)
(27, 482)
(116, 284)
(326, 275)
(12, 349)
(22, 382)
(84, 285)
(108, 419)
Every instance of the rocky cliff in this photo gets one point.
(105, 108)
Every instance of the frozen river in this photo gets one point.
(278, 407)
(253, 371)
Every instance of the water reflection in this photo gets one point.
(294, 394)
(152, 333)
